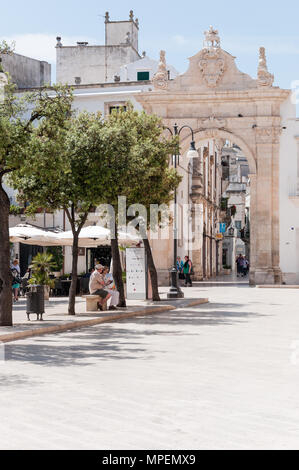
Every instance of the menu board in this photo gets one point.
(136, 274)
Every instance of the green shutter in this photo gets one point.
(143, 76)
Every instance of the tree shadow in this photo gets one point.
(124, 340)
(14, 381)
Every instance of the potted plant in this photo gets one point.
(42, 266)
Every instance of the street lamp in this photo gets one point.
(175, 291)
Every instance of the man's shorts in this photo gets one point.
(101, 292)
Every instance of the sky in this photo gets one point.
(174, 26)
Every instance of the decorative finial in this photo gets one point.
(212, 39)
(160, 79)
(107, 18)
(265, 78)
(59, 43)
(137, 22)
(131, 15)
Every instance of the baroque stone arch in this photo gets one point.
(219, 102)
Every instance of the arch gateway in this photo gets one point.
(220, 104)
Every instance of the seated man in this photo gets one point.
(110, 287)
(97, 286)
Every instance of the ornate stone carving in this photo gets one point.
(268, 134)
(212, 122)
(160, 79)
(212, 38)
(212, 59)
(212, 66)
(211, 134)
(265, 78)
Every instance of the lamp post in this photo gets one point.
(175, 291)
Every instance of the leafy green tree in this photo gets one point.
(141, 171)
(25, 121)
(74, 181)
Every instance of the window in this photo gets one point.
(117, 108)
(114, 105)
(143, 76)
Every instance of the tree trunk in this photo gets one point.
(5, 271)
(152, 270)
(117, 270)
(73, 288)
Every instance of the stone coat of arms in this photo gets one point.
(212, 66)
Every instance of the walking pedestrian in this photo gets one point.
(246, 266)
(187, 271)
(16, 282)
(180, 266)
(240, 264)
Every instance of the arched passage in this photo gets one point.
(222, 136)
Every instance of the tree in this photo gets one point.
(24, 120)
(70, 175)
(141, 170)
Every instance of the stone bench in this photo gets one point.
(92, 303)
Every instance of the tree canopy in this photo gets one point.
(25, 122)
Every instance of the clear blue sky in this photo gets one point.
(175, 26)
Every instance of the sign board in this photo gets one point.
(136, 274)
(219, 236)
(222, 228)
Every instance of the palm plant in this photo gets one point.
(42, 266)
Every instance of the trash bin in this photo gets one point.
(35, 302)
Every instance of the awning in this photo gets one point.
(91, 236)
(30, 235)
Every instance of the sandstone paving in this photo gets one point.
(221, 375)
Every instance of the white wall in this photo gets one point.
(289, 212)
(93, 64)
(128, 72)
(94, 99)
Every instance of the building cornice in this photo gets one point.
(273, 94)
(91, 85)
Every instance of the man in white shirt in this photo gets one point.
(98, 286)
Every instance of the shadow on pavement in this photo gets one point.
(120, 342)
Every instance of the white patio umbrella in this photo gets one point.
(95, 235)
(30, 235)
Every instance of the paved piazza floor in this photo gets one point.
(219, 376)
